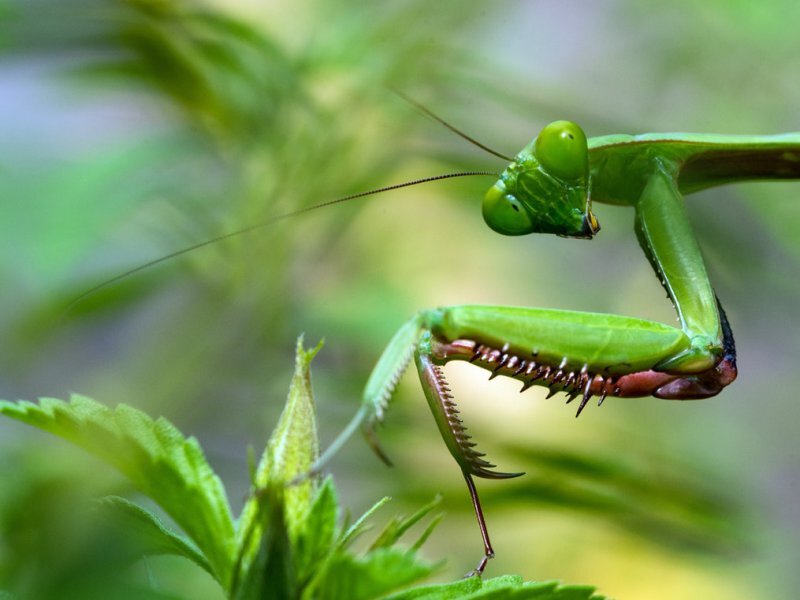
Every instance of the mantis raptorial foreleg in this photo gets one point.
(581, 354)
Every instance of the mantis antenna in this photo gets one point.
(264, 224)
(250, 228)
(429, 113)
(361, 415)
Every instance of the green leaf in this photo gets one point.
(499, 588)
(442, 591)
(154, 455)
(152, 535)
(381, 570)
(372, 576)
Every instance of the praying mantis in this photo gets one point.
(550, 186)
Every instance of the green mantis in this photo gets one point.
(551, 187)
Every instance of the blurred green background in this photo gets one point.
(130, 129)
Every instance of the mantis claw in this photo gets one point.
(446, 413)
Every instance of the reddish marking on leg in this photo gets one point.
(673, 386)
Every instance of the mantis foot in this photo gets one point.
(488, 551)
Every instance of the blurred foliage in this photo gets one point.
(134, 128)
(678, 509)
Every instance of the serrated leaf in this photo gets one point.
(441, 591)
(499, 588)
(152, 535)
(372, 576)
(155, 456)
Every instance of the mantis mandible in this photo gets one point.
(550, 187)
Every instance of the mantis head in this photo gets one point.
(545, 189)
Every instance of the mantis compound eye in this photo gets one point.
(561, 149)
(504, 213)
